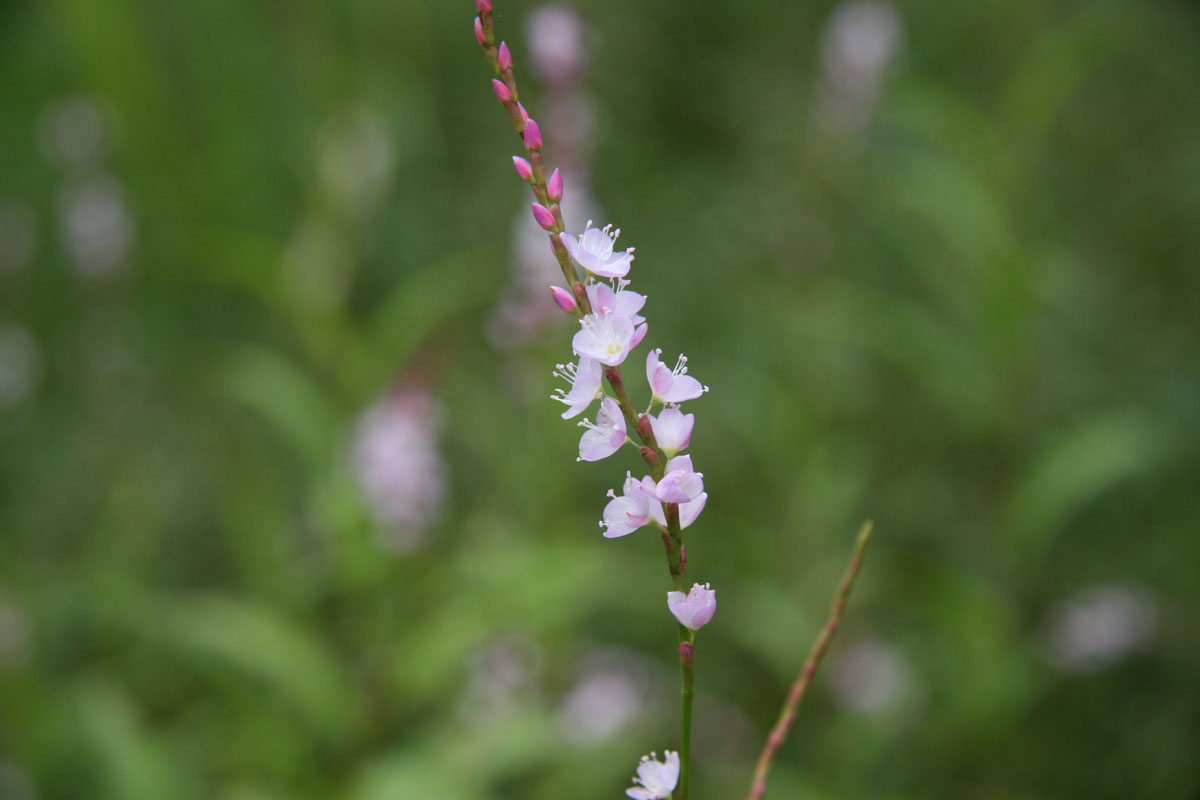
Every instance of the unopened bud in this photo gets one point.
(479, 32)
(524, 114)
(504, 57)
(524, 168)
(554, 186)
(503, 93)
(564, 299)
(533, 135)
(483, 6)
(543, 216)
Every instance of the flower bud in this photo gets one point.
(503, 93)
(543, 216)
(696, 608)
(483, 6)
(504, 57)
(564, 299)
(524, 114)
(524, 168)
(554, 187)
(532, 134)
(479, 32)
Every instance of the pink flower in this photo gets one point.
(694, 609)
(673, 430)
(671, 386)
(681, 484)
(625, 514)
(688, 512)
(585, 386)
(606, 300)
(606, 435)
(655, 779)
(593, 250)
(607, 338)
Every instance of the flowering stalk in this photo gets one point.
(672, 495)
(787, 715)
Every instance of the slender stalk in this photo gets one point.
(655, 458)
(758, 786)
(687, 678)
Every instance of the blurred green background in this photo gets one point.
(284, 509)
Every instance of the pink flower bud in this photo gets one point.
(524, 114)
(504, 57)
(483, 6)
(502, 92)
(533, 135)
(554, 187)
(524, 168)
(479, 32)
(564, 299)
(543, 216)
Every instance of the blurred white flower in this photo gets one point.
(96, 225)
(73, 132)
(556, 36)
(1098, 627)
(399, 465)
(871, 677)
(20, 364)
(859, 44)
(500, 674)
(610, 694)
(18, 236)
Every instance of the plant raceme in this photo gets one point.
(670, 495)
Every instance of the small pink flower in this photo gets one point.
(623, 302)
(688, 512)
(585, 380)
(681, 484)
(673, 430)
(532, 135)
(655, 779)
(543, 216)
(504, 57)
(625, 514)
(524, 168)
(606, 435)
(671, 386)
(564, 299)
(593, 250)
(554, 186)
(503, 93)
(696, 608)
(608, 338)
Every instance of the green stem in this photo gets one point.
(687, 677)
(787, 715)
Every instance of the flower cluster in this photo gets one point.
(611, 326)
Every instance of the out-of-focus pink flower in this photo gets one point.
(399, 466)
(593, 250)
(606, 435)
(694, 609)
